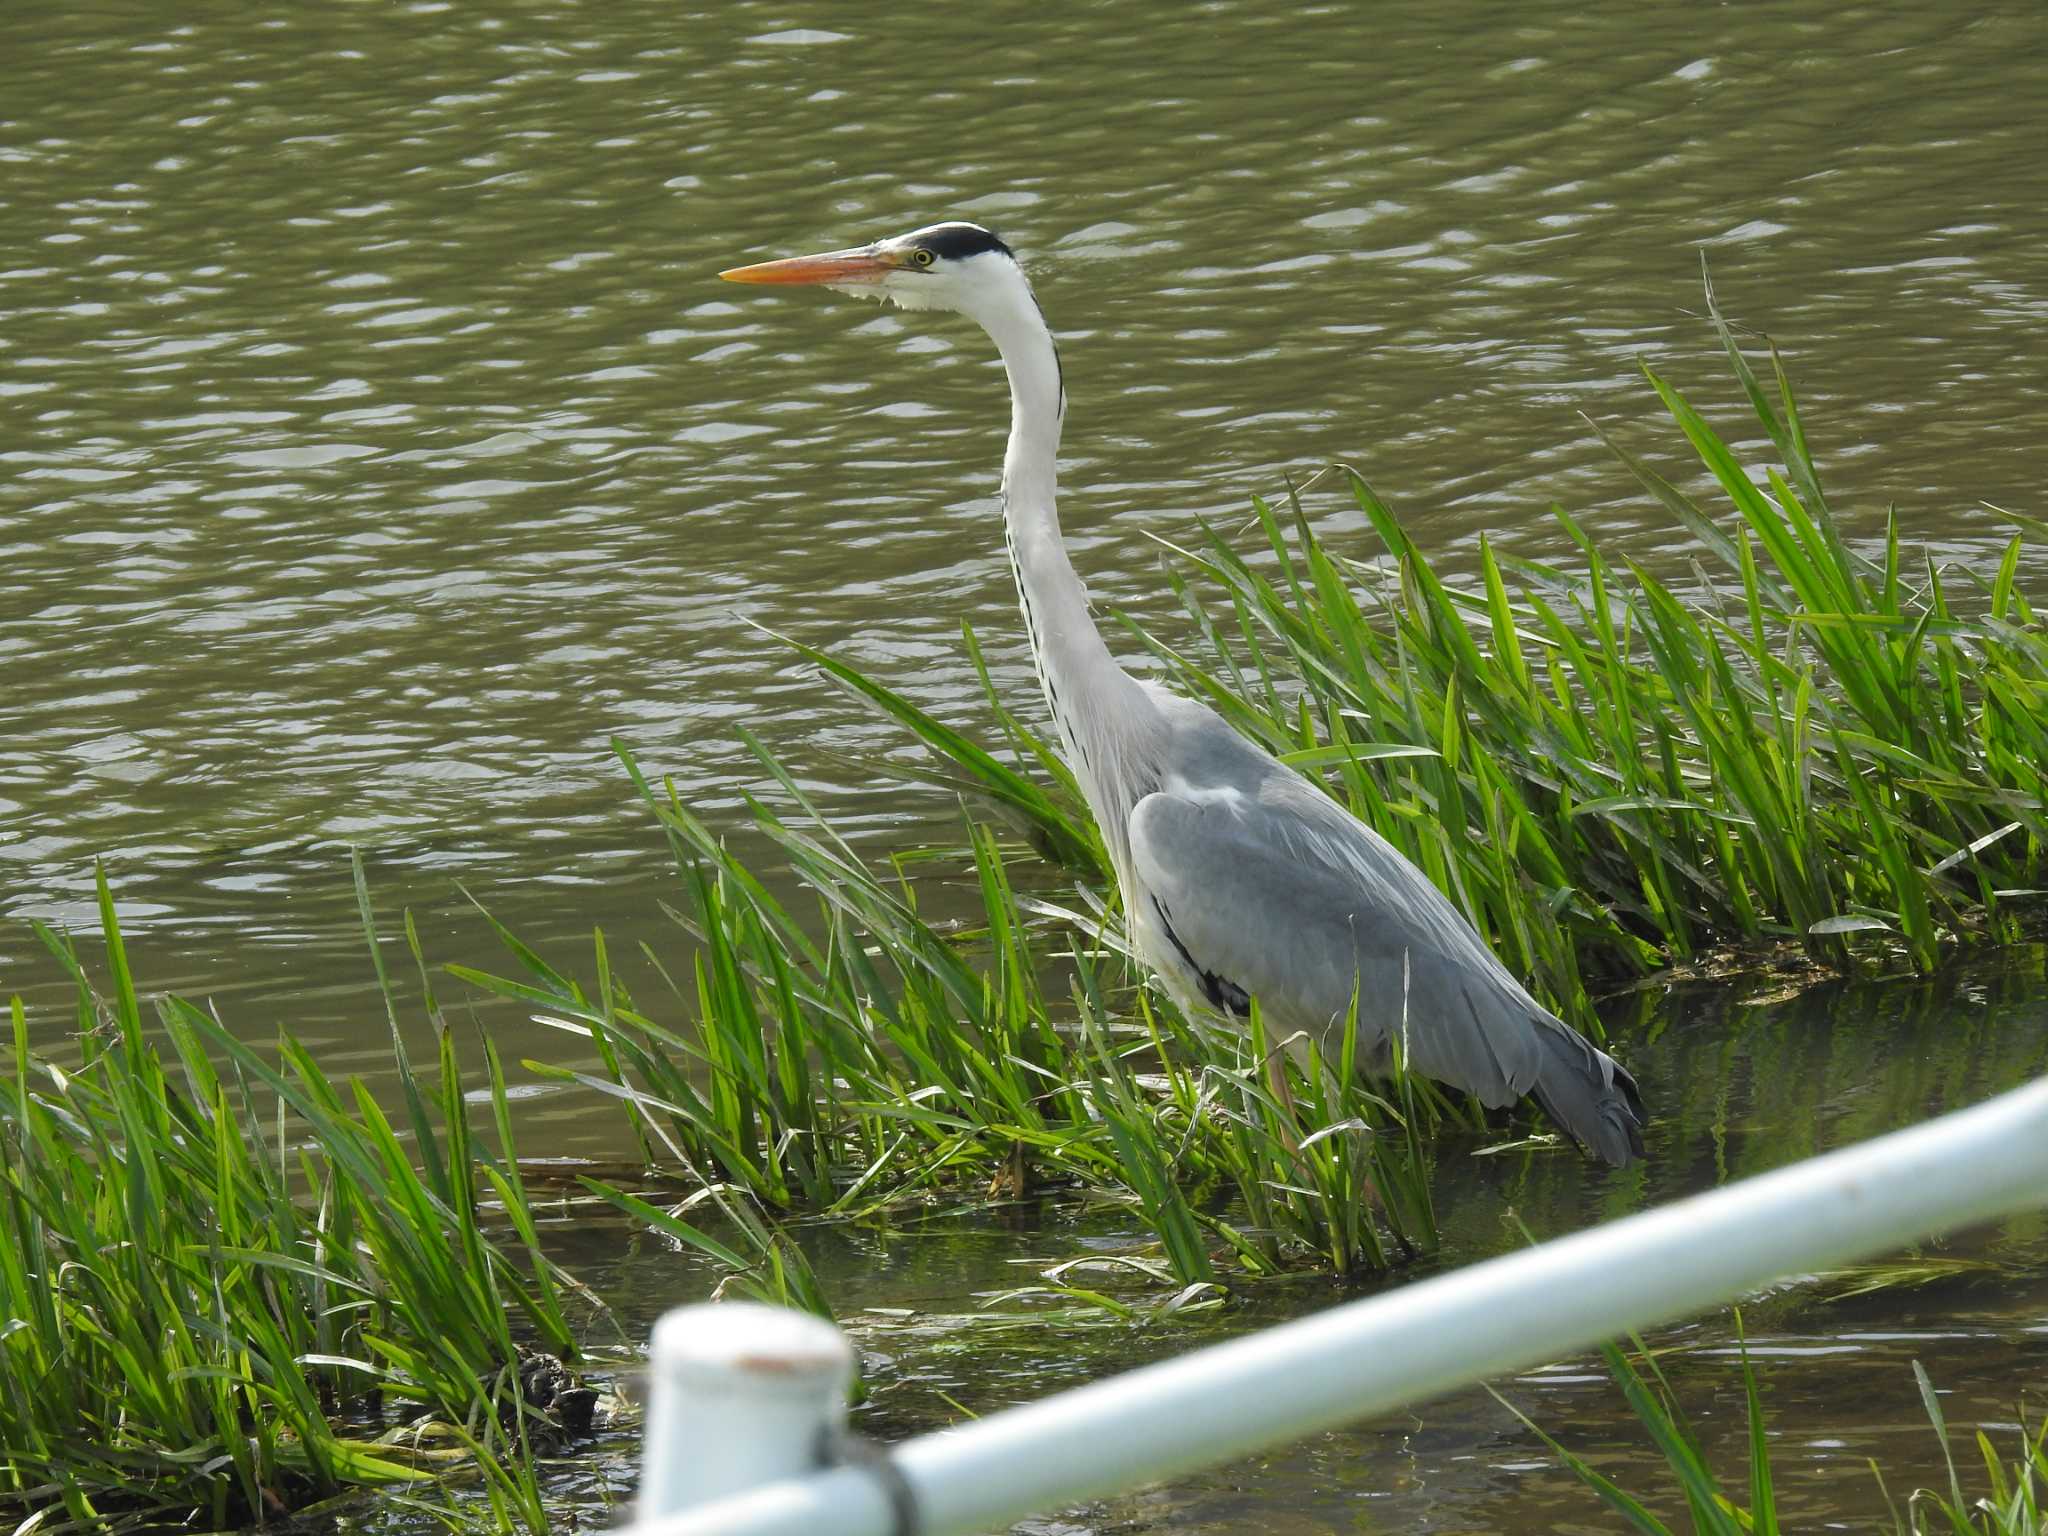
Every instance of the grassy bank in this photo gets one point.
(233, 1286)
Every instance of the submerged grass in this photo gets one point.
(211, 1324)
(2015, 1502)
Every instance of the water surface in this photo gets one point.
(377, 443)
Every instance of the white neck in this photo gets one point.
(1108, 725)
(1073, 662)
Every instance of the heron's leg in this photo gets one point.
(1012, 1178)
(1283, 1091)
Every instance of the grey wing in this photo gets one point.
(1268, 901)
(1279, 892)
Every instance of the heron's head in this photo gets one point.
(944, 266)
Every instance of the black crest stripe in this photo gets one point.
(954, 241)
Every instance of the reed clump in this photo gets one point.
(862, 1055)
(211, 1323)
(1835, 746)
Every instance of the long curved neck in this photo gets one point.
(1108, 725)
(1073, 662)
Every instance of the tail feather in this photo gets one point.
(1590, 1095)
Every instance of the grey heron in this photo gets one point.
(1240, 878)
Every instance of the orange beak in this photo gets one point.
(861, 264)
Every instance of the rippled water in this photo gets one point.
(377, 442)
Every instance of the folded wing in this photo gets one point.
(1279, 893)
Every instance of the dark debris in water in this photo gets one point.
(561, 1396)
(560, 1406)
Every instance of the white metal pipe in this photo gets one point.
(1495, 1318)
(740, 1395)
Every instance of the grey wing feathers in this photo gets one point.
(1277, 890)
(1590, 1094)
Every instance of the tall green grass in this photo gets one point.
(233, 1286)
(1821, 744)
(859, 1055)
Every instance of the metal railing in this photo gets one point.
(745, 1421)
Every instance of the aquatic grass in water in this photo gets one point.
(203, 1315)
(2016, 1500)
(871, 1057)
(2015, 1503)
(1604, 774)
(1619, 778)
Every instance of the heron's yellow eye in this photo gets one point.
(922, 257)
